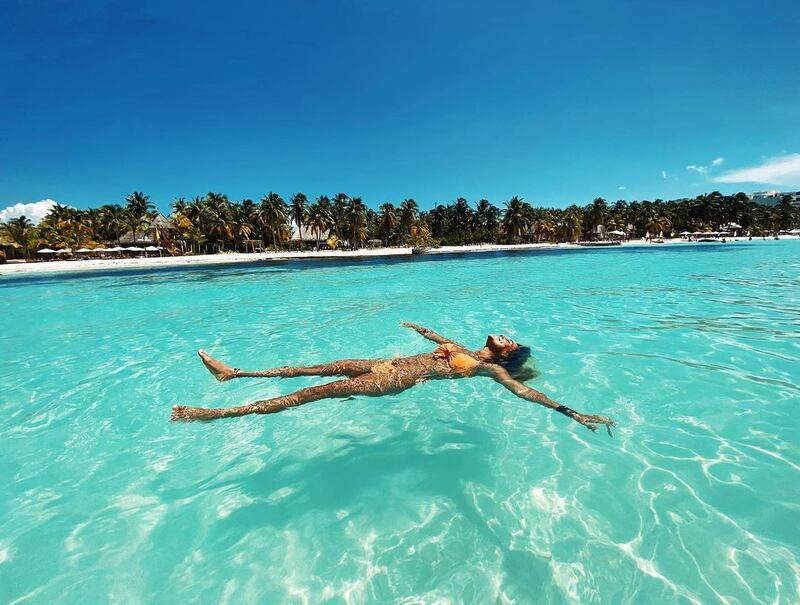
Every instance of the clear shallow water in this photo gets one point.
(453, 491)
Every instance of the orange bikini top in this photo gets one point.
(460, 362)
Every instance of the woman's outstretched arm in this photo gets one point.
(501, 375)
(429, 334)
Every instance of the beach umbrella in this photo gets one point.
(134, 249)
(46, 251)
(686, 233)
(115, 249)
(152, 248)
(84, 250)
(101, 249)
(64, 251)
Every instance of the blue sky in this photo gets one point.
(556, 102)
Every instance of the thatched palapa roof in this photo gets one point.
(308, 234)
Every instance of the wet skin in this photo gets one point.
(375, 377)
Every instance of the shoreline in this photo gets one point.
(155, 262)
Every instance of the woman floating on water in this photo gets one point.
(501, 359)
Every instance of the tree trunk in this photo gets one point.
(300, 234)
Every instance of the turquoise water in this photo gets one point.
(451, 492)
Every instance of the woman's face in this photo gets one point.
(500, 344)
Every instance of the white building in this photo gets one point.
(771, 198)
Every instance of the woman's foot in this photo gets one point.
(221, 371)
(183, 413)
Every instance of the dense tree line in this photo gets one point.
(212, 222)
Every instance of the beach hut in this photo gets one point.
(154, 230)
(306, 238)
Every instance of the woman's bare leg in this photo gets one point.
(370, 385)
(344, 367)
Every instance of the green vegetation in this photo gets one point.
(213, 223)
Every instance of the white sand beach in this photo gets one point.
(90, 264)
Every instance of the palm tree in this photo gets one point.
(571, 223)
(596, 214)
(134, 222)
(241, 222)
(299, 213)
(786, 213)
(357, 218)
(179, 205)
(408, 215)
(388, 221)
(545, 229)
(218, 217)
(58, 223)
(112, 218)
(543, 224)
(273, 215)
(487, 218)
(63, 226)
(656, 224)
(338, 212)
(319, 218)
(138, 205)
(21, 232)
(437, 218)
(92, 219)
(516, 220)
(462, 215)
(197, 213)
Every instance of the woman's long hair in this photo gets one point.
(514, 363)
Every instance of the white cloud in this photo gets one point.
(622, 187)
(781, 170)
(35, 211)
(700, 168)
(663, 174)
